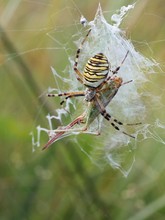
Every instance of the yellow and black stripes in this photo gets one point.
(96, 70)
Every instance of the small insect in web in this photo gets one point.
(100, 90)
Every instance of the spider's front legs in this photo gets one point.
(117, 68)
(79, 74)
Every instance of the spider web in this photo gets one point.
(133, 103)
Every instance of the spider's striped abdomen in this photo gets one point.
(96, 70)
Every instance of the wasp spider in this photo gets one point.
(95, 77)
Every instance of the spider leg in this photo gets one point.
(112, 120)
(71, 96)
(67, 95)
(117, 68)
(79, 74)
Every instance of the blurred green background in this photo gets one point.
(62, 183)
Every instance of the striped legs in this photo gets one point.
(79, 74)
